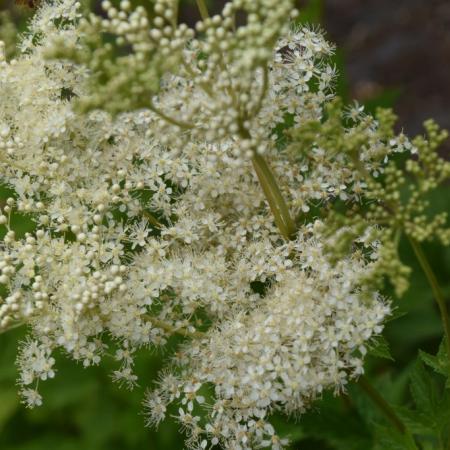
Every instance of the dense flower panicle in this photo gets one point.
(307, 334)
(136, 161)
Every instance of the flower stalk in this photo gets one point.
(274, 197)
(169, 119)
(382, 404)
(152, 219)
(174, 330)
(270, 187)
(437, 292)
(201, 5)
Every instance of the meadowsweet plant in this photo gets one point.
(205, 183)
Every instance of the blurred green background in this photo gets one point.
(84, 410)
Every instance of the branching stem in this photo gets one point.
(437, 292)
(201, 5)
(152, 219)
(174, 330)
(171, 120)
(12, 327)
(272, 192)
(264, 88)
(274, 197)
(381, 403)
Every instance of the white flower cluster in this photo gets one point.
(308, 333)
(160, 220)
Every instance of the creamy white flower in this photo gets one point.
(152, 222)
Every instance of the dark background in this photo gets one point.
(399, 46)
(390, 53)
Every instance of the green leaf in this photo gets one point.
(380, 348)
(336, 423)
(422, 389)
(397, 313)
(416, 421)
(431, 417)
(388, 438)
(438, 363)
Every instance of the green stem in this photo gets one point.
(274, 197)
(152, 219)
(171, 329)
(176, 7)
(171, 120)
(264, 88)
(382, 404)
(437, 292)
(12, 327)
(266, 178)
(201, 5)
